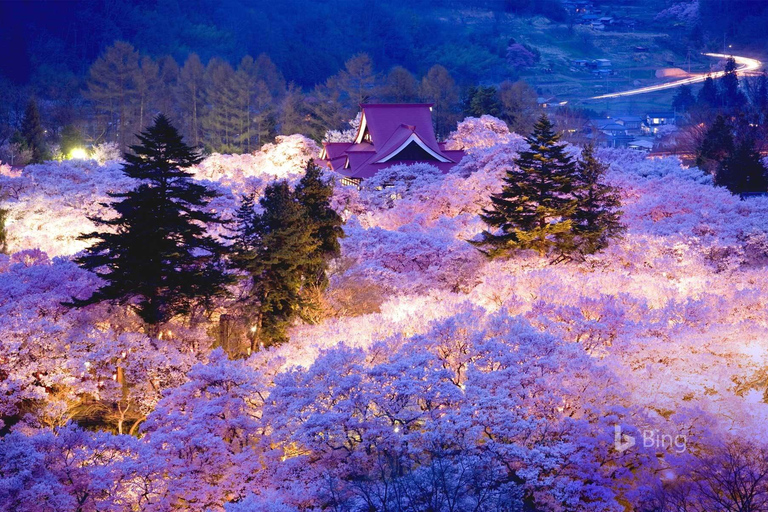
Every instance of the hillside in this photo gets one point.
(434, 378)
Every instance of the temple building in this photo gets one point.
(389, 134)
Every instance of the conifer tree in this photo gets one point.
(597, 218)
(482, 100)
(191, 92)
(220, 122)
(708, 95)
(534, 208)
(33, 134)
(684, 99)
(743, 171)
(283, 246)
(314, 193)
(439, 88)
(113, 91)
(156, 255)
(400, 86)
(716, 146)
(246, 234)
(732, 97)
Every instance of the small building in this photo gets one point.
(660, 118)
(655, 120)
(614, 129)
(603, 63)
(606, 20)
(630, 122)
(389, 134)
(643, 145)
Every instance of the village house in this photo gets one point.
(389, 134)
(633, 124)
(654, 120)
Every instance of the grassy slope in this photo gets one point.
(558, 44)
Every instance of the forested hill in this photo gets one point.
(308, 41)
(44, 41)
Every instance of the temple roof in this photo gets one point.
(390, 134)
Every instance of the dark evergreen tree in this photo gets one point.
(761, 95)
(33, 134)
(482, 100)
(731, 95)
(283, 247)
(156, 255)
(535, 206)
(314, 194)
(683, 99)
(597, 218)
(716, 146)
(743, 171)
(708, 95)
(246, 234)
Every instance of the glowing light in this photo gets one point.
(746, 65)
(78, 154)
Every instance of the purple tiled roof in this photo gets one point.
(391, 128)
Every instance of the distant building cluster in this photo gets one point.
(598, 67)
(585, 13)
(633, 132)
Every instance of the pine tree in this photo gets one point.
(314, 193)
(191, 91)
(156, 256)
(708, 95)
(482, 100)
(761, 95)
(246, 232)
(400, 86)
(597, 218)
(294, 112)
(519, 105)
(534, 208)
(283, 248)
(716, 146)
(684, 99)
(112, 89)
(33, 134)
(439, 88)
(732, 97)
(743, 171)
(357, 82)
(221, 124)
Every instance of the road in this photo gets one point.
(746, 66)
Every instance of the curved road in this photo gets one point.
(746, 65)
